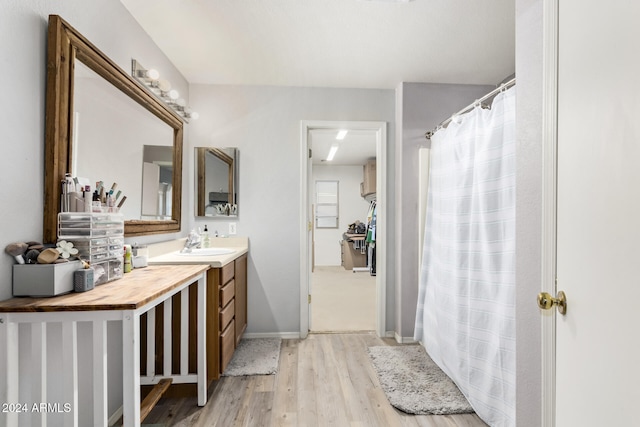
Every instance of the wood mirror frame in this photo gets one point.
(65, 45)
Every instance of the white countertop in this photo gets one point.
(167, 252)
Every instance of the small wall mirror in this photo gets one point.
(216, 182)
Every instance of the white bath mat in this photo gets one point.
(414, 384)
(254, 356)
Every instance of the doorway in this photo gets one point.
(343, 283)
(315, 143)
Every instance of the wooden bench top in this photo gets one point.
(134, 290)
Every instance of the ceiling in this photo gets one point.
(355, 149)
(333, 43)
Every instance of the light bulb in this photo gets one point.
(181, 102)
(173, 94)
(194, 115)
(164, 85)
(152, 74)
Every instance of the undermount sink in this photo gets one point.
(207, 252)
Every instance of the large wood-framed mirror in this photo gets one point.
(68, 53)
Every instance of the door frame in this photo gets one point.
(306, 222)
(549, 204)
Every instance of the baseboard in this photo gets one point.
(283, 335)
(404, 340)
(115, 417)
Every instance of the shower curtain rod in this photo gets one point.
(502, 87)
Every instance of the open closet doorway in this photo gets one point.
(342, 272)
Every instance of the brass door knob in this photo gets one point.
(546, 301)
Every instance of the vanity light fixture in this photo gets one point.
(341, 134)
(332, 152)
(162, 89)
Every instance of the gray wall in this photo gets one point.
(529, 73)
(264, 123)
(23, 38)
(421, 107)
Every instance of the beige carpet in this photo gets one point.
(342, 300)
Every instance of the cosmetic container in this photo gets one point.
(140, 255)
(83, 280)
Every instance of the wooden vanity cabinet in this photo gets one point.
(227, 323)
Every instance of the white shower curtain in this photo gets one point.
(466, 303)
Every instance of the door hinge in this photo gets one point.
(309, 298)
(310, 153)
(309, 226)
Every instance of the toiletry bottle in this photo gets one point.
(127, 258)
(205, 238)
(87, 198)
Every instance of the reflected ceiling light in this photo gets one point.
(332, 152)
(162, 89)
(342, 134)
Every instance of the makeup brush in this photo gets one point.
(16, 250)
(122, 201)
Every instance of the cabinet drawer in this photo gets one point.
(226, 315)
(227, 292)
(227, 272)
(227, 345)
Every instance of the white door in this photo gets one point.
(598, 234)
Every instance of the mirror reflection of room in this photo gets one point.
(157, 176)
(98, 144)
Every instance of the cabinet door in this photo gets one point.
(227, 341)
(241, 296)
(213, 328)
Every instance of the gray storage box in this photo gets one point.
(44, 280)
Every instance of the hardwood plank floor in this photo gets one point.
(324, 380)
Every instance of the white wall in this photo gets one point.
(351, 207)
(421, 107)
(23, 38)
(529, 89)
(264, 123)
(110, 27)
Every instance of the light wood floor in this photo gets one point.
(324, 380)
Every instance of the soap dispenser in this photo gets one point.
(205, 238)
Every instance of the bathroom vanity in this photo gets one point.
(226, 299)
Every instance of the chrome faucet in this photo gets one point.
(193, 241)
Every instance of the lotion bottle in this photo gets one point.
(205, 238)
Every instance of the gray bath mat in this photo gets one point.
(414, 384)
(254, 356)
